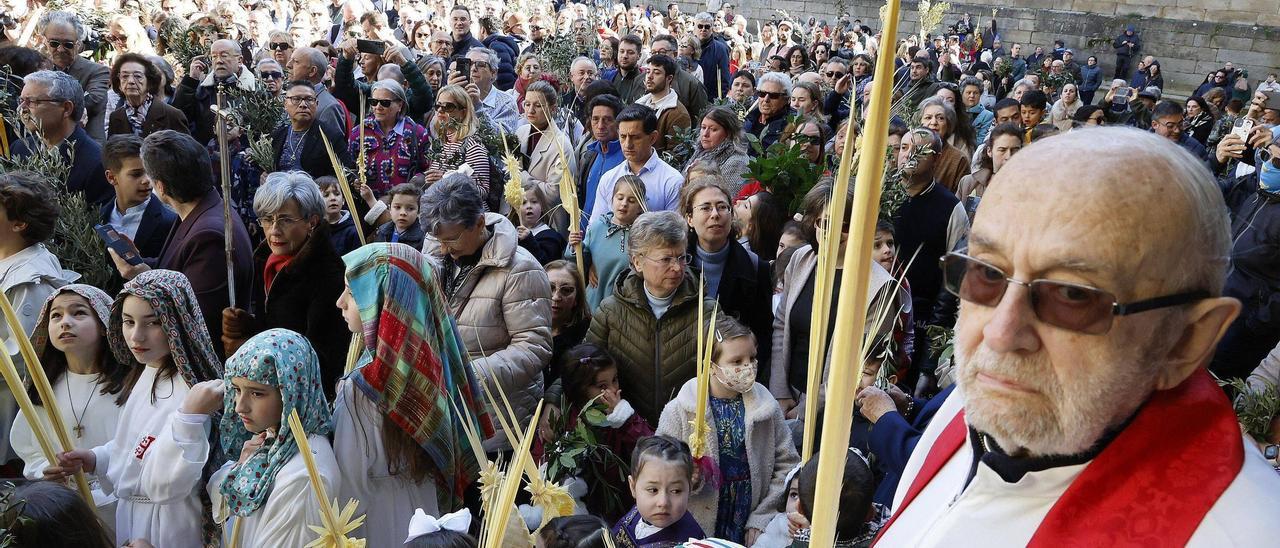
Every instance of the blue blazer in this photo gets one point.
(893, 439)
(153, 231)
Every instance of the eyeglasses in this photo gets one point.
(384, 103)
(300, 99)
(280, 46)
(116, 38)
(1073, 307)
(440, 42)
(271, 75)
(448, 107)
(224, 56)
(721, 208)
(24, 101)
(836, 74)
(675, 260)
(771, 95)
(481, 64)
(283, 222)
(64, 44)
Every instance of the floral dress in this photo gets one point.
(735, 471)
(391, 158)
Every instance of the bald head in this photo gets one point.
(1172, 214)
(308, 64)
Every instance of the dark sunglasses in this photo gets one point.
(770, 94)
(271, 75)
(64, 44)
(835, 74)
(1070, 306)
(448, 107)
(279, 46)
(704, 27)
(384, 103)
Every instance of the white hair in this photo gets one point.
(777, 78)
(282, 186)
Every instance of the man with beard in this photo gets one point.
(672, 116)
(692, 94)
(628, 80)
(63, 34)
(199, 88)
(1082, 413)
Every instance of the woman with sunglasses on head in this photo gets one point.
(395, 147)
(455, 124)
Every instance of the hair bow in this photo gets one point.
(422, 524)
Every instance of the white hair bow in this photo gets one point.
(423, 524)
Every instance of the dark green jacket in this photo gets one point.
(655, 356)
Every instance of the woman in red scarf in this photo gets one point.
(528, 71)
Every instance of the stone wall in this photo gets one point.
(1190, 37)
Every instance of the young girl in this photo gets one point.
(397, 434)
(157, 330)
(741, 410)
(660, 480)
(859, 519)
(590, 376)
(266, 486)
(604, 250)
(778, 533)
(88, 382)
(885, 251)
(535, 234)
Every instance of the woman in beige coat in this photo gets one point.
(549, 151)
(497, 291)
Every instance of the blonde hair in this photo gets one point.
(466, 118)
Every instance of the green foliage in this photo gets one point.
(941, 342)
(785, 169)
(11, 517)
(182, 42)
(257, 112)
(580, 452)
(681, 150)
(558, 52)
(1255, 409)
(74, 241)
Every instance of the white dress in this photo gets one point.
(283, 518)
(81, 395)
(157, 492)
(386, 501)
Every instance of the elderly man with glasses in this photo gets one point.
(199, 88)
(64, 34)
(51, 105)
(715, 56)
(1083, 414)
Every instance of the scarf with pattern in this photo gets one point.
(283, 359)
(415, 366)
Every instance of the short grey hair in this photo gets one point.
(267, 61)
(395, 88)
(1025, 82)
(61, 87)
(584, 59)
(62, 18)
(657, 229)
(703, 17)
(454, 200)
(316, 59)
(948, 111)
(492, 56)
(777, 78)
(283, 186)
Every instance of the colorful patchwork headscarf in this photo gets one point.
(417, 368)
(285, 360)
(170, 295)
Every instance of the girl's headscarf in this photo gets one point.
(170, 295)
(99, 301)
(285, 360)
(417, 368)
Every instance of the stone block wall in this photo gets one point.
(1190, 37)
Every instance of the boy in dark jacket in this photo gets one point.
(342, 228)
(404, 226)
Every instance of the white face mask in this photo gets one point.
(738, 378)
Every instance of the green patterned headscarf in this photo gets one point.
(417, 369)
(285, 360)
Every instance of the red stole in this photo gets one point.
(1151, 486)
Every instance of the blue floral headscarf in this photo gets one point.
(283, 359)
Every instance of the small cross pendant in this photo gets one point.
(79, 430)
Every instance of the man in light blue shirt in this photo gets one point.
(498, 107)
(637, 132)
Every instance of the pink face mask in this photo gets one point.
(738, 378)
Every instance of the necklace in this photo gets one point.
(293, 144)
(79, 429)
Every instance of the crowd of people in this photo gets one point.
(417, 225)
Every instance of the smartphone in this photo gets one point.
(1122, 95)
(1242, 128)
(463, 66)
(117, 242)
(374, 47)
